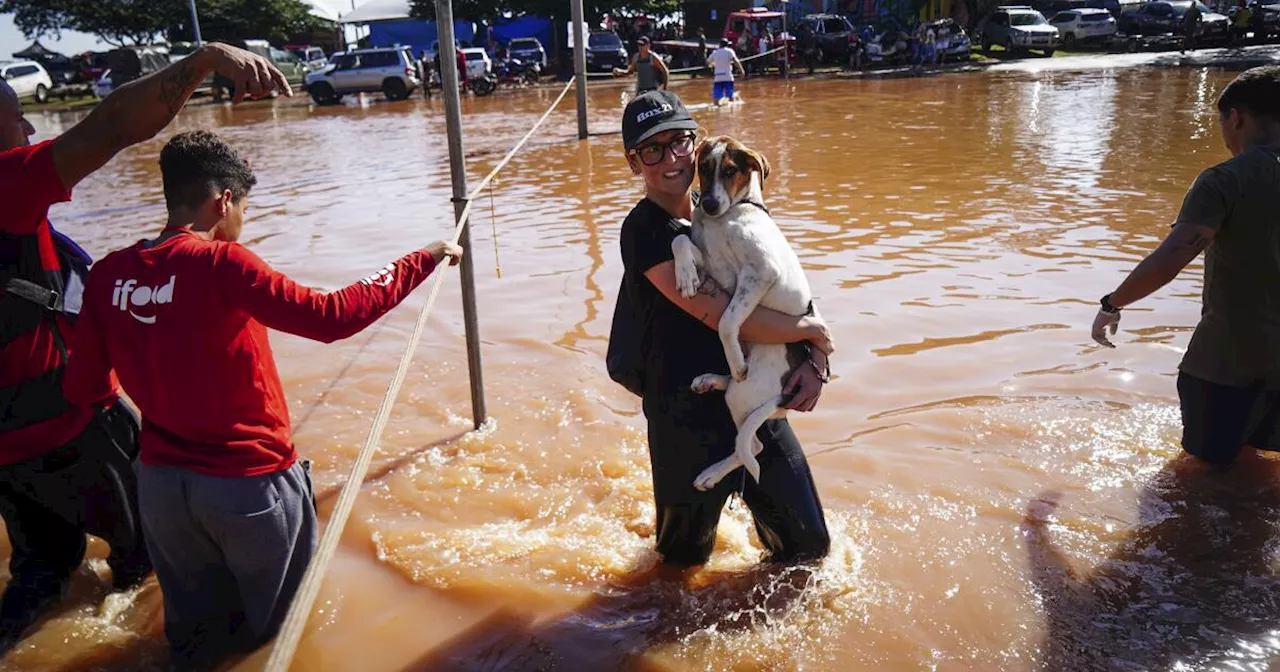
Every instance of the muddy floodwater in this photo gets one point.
(957, 231)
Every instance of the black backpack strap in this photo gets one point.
(25, 289)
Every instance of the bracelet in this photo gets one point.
(824, 375)
(1107, 307)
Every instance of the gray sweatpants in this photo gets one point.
(229, 554)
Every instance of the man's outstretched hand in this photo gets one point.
(252, 75)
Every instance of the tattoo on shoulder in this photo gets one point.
(175, 86)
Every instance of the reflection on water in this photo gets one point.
(956, 231)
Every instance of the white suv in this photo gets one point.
(390, 70)
(478, 63)
(27, 78)
(1079, 26)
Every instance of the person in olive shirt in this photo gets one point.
(1229, 380)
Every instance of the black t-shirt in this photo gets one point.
(677, 346)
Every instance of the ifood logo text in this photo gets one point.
(129, 295)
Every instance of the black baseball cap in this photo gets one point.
(651, 113)
(642, 40)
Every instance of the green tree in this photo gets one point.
(491, 10)
(122, 22)
(117, 22)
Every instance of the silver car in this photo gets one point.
(390, 70)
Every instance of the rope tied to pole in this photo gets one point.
(286, 644)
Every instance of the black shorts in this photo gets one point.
(1218, 421)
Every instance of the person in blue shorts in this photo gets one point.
(722, 62)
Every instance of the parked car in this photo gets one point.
(478, 63)
(529, 50)
(390, 70)
(605, 52)
(1265, 21)
(953, 43)
(28, 79)
(1017, 28)
(129, 63)
(831, 33)
(1084, 26)
(1164, 17)
(312, 57)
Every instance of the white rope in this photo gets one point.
(286, 644)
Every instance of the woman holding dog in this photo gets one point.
(688, 432)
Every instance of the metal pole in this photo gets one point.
(786, 44)
(579, 65)
(195, 21)
(458, 176)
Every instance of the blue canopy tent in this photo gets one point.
(415, 34)
(525, 26)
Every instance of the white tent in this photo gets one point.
(378, 10)
(325, 9)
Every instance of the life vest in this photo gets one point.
(33, 294)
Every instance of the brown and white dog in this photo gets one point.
(737, 243)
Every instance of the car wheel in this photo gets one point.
(322, 93)
(394, 89)
(1068, 41)
(482, 86)
(1048, 53)
(986, 46)
(42, 93)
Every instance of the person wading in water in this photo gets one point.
(651, 73)
(1229, 379)
(672, 340)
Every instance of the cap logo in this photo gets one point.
(666, 107)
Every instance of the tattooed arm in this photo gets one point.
(1184, 243)
(138, 110)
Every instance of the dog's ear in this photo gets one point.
(757, 162)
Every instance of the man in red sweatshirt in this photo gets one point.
(65, 469)
(226, 505)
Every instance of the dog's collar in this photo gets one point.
(696, 197)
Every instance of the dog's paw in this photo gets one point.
(708, 382)
(739, 371)
(687, 279)
(710, 477)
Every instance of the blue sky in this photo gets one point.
(69, 43)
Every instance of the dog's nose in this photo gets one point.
(710, 205)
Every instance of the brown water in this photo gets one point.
(956, 231)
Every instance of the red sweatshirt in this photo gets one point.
(184, 325)
(29, 184)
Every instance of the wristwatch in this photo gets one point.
(1106, 305)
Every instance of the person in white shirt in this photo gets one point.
(722, 61)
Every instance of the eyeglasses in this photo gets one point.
(652, 154)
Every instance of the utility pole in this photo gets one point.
(195, 22)
(458, 175)
(580, 64)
